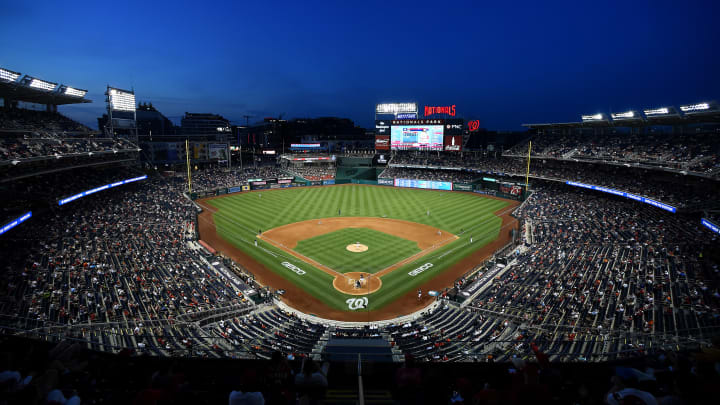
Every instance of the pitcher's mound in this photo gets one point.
(356, 247)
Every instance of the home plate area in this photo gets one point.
(357, 283)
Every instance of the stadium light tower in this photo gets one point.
(121, 112)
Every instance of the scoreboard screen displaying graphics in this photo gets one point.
(428, 184)
(423, 137)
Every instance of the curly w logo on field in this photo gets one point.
(357, 303)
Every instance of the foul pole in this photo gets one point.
(187, 157)
(527, 172)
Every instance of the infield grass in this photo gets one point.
(383, 250)
(240, 216)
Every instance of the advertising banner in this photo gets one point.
(217, 151)
(382, 142)
(631, 196)
(462, 187)
(454, 126)
(327, 182)
(386, 182)
(382, 127)
(427, 184)
(710, 225)
(453, 143)
(234, 190)
(511, 189)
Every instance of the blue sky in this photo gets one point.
(504, 63)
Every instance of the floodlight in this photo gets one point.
(594, 117)
(623, 115)
(69, 91)
(657, 111)
(8, 75)
(695, 107)
(42, 84)
(121, 100)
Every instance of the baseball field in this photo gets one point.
(356, 252)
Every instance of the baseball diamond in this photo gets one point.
(304, 246)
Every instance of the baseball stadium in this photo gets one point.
(374, 245)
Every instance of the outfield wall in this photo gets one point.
(502, 190)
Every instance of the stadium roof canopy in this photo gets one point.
(692, 114)
(33, 90)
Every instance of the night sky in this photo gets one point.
(506, 63)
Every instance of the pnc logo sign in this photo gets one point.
(474, 125)
(357, 303)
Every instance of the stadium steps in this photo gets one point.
(397, 354)
(317, 350)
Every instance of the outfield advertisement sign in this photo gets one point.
(711, 226)
(462, 187)
(386, 182)
(635, 197)
(234, 190)
(428, 184)
(328, 182)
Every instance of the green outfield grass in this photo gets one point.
(383, 250)
(239, 216)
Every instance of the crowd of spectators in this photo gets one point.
(668, 187)
(212, 178)
(28, 134)
(600, 278)
(123, 257)
(698, 152)
(39, 121)
(314, 173)
(456, 176)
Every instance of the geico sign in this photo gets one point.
(294, 268)
(357, 303)
(420, 269)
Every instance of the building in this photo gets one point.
(212, 126)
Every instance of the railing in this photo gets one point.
(473, 349)
(361, 389)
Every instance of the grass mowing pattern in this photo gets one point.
(383, 250)
(241, 215)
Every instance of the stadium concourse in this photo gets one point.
(596, 278)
